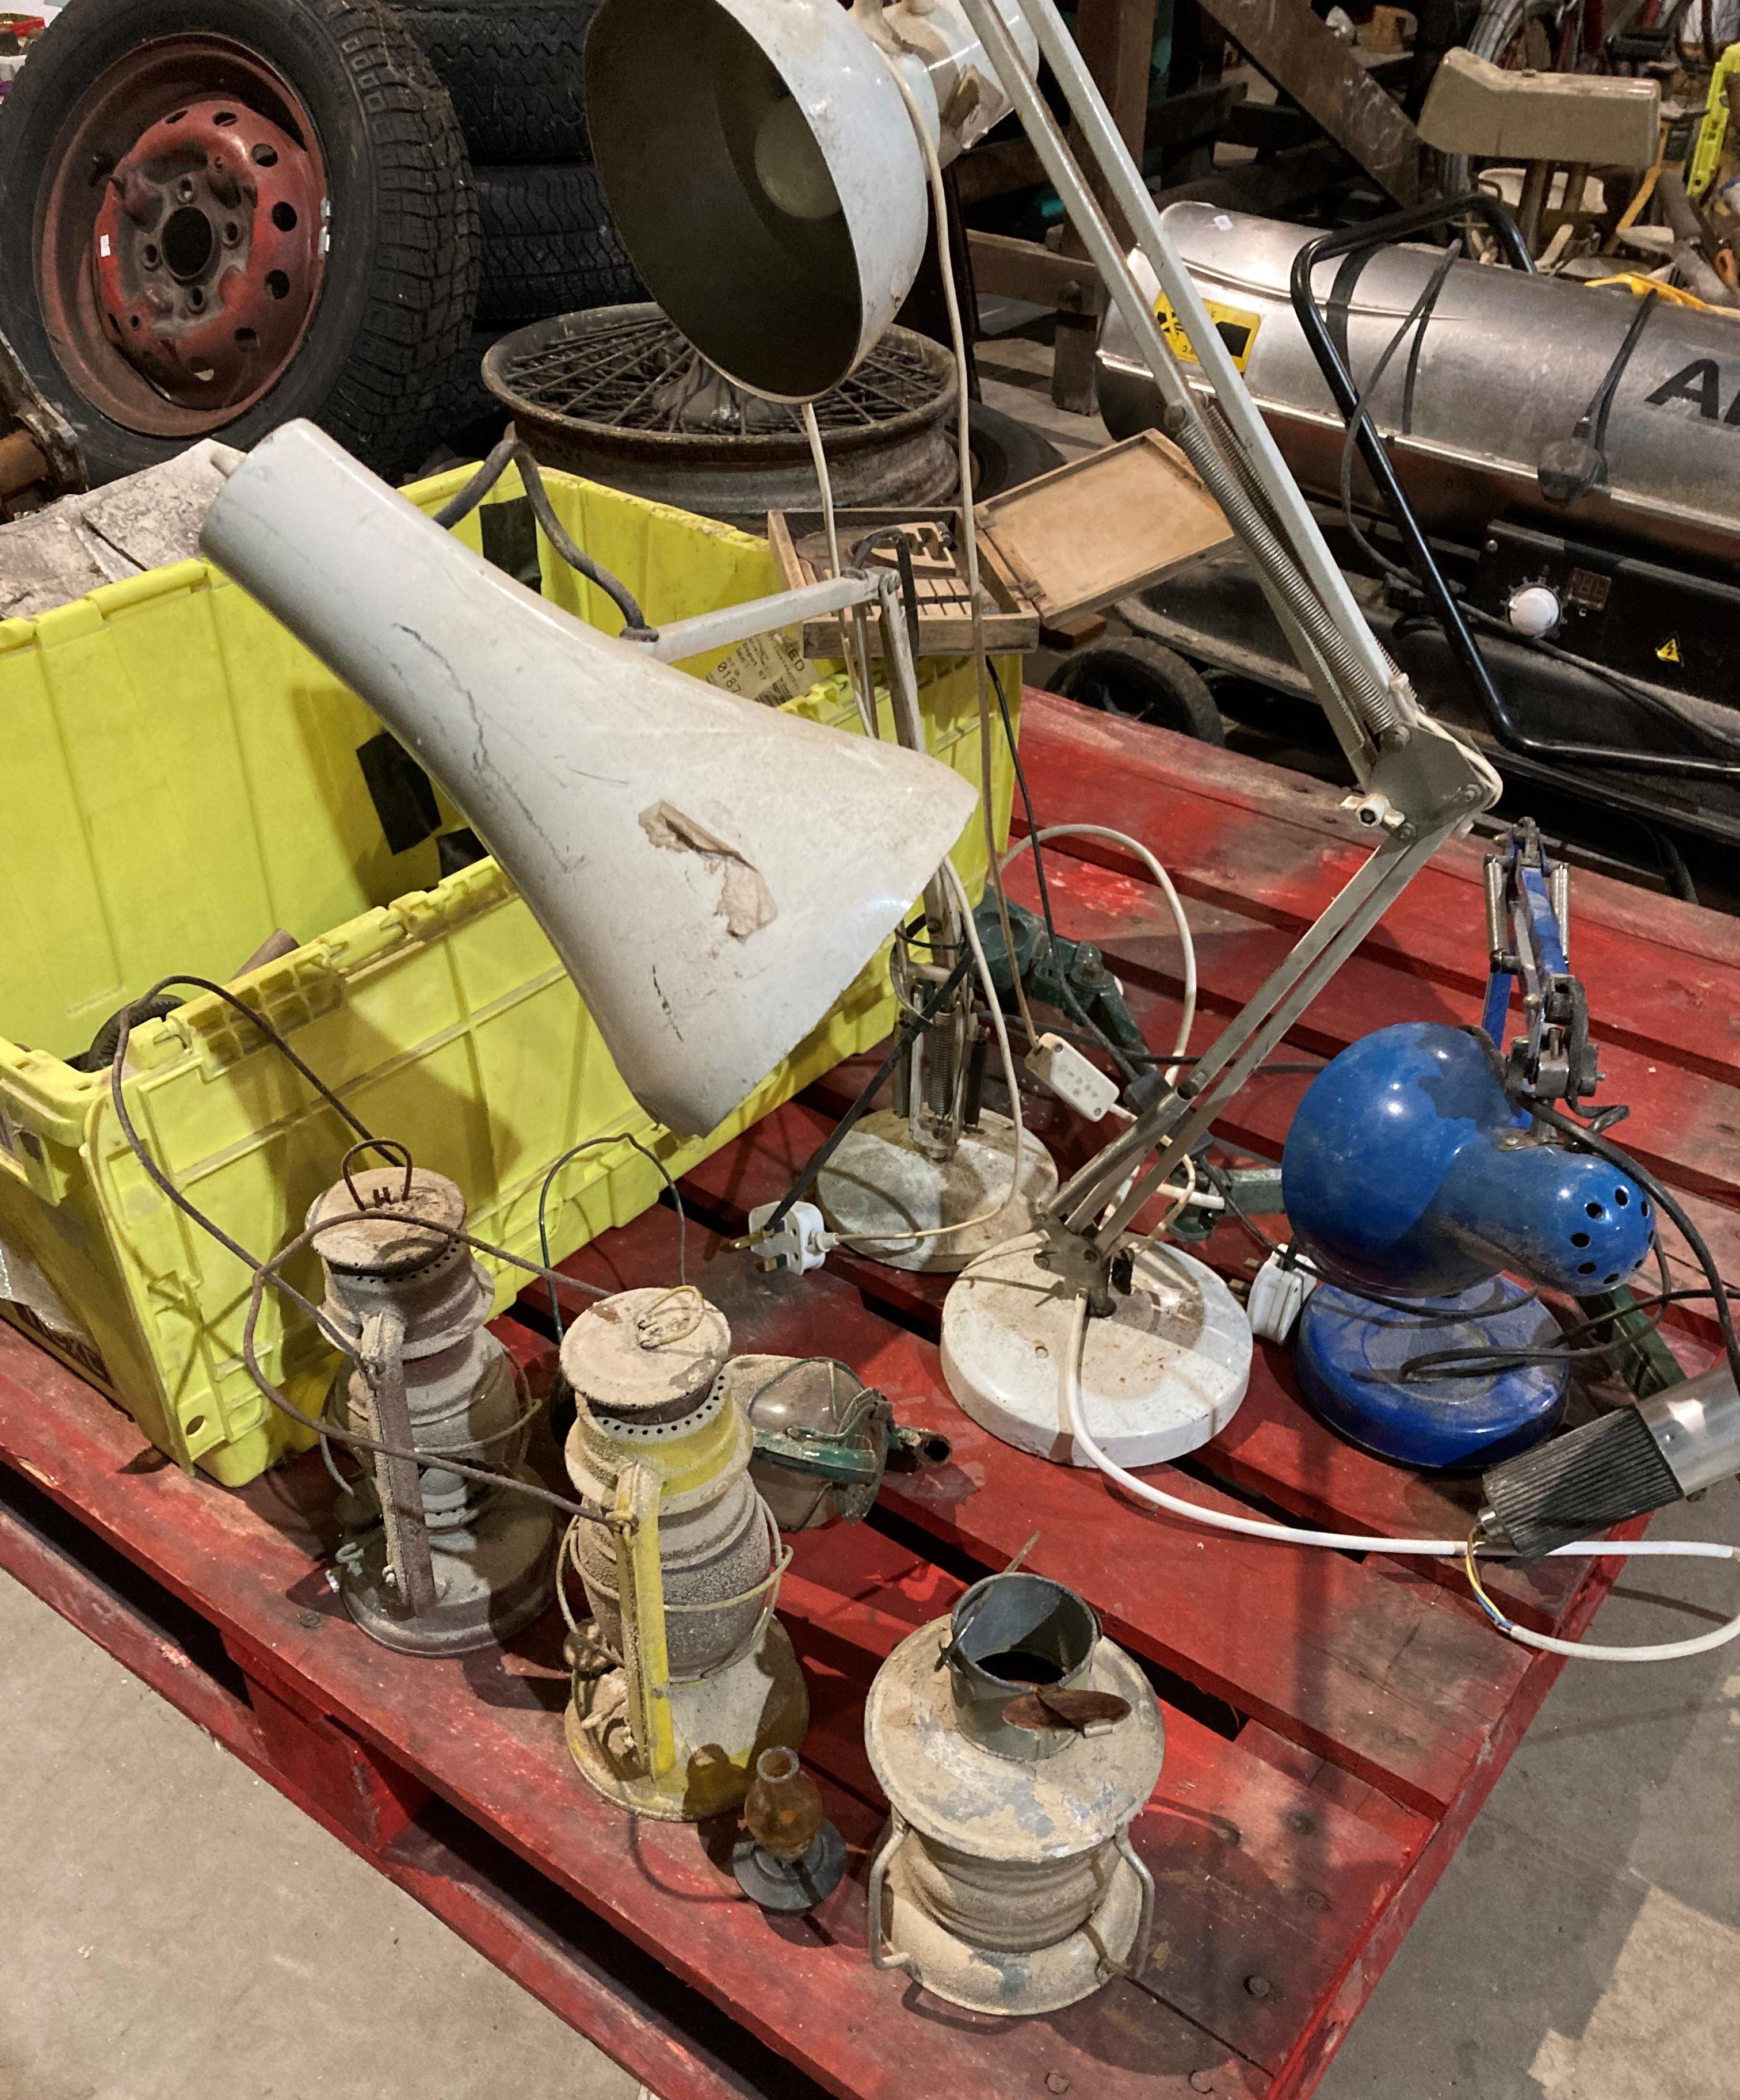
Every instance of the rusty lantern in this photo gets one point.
(1015, 1743)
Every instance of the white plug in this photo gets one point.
(1277, 1294)
(802, 1243)
(1072, 1077)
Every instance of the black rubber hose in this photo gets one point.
(515, 451)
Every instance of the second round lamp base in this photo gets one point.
(879, 1182)
(487, 1591)
(1163, 1375)
(1352, 1359)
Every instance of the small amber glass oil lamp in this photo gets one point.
(790, 1856)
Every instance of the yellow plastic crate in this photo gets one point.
(181, 778)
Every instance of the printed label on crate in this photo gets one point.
(768, 667)
(1236, 328)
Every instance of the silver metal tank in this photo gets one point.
(1504, 366)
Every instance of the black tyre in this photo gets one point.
(1145, 680)
(549, 246)
(317, 175)
(516, 70)
(1006, 453)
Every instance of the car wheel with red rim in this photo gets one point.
(219, 214)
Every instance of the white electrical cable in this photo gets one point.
(1438, 1549)
(858, 675)
(1036, 840)
(951, 875)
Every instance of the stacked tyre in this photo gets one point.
(516, 73)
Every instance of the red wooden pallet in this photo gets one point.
(1333, 1723)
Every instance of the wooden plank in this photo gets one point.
(1100, 527)
(1116, 39)
(1011, 163)
(1293, 48)
(1666, 976)
(482, 1732)
(1004, 267)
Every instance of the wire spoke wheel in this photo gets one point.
(619, 394)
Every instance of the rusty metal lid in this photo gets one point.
(387, 1245)
(647, 1356)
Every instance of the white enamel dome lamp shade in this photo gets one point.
(762, 170)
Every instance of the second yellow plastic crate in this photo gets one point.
(182, 779)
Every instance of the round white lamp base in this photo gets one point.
(1164, 1373)
(879, 1183)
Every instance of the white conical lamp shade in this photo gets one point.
(712, 873)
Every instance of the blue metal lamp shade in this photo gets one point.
(1407, 1171)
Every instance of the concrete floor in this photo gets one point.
(172, 1929)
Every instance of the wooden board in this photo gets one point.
(1102, 527)
(1011, 623)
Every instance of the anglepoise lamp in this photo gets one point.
(767, 163)
(713, 874)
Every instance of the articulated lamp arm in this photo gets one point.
(1421, 784)
(766, 161)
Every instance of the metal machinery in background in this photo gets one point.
(1568, 456)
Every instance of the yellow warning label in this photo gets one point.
(1234, 327)
(1669, 651)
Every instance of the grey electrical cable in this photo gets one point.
(267, 1271)
(515, 451)
(574, 1152)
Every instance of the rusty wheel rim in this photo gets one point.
(182, 236)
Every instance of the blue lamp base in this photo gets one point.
(1348, 1355)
